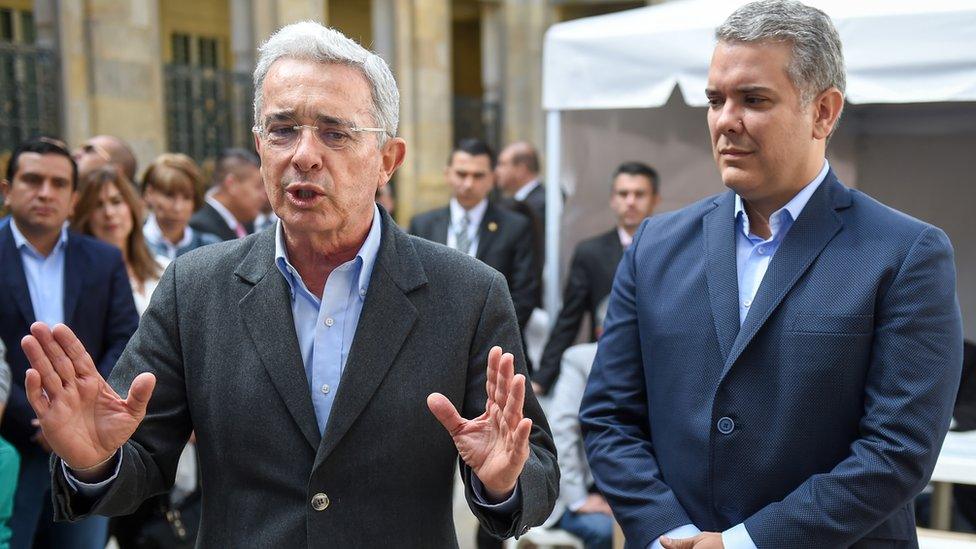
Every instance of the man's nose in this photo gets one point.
(307, 156)
(729, 118)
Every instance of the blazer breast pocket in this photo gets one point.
(832, 324)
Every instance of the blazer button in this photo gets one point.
(320, 501)
(725, 425)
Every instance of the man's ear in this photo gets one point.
(394, 152)
(827, 108)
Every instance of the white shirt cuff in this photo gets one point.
(96, 490)
(737, 537)
(681, 532)
(508, 506)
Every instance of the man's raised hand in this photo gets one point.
(82, 418)
(495, 444)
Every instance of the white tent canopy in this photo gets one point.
(630, 86)
(896, 51)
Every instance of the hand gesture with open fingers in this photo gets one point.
(495, 444)
(82, 418)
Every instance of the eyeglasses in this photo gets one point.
(336, 136)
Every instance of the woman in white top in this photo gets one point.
(109, 209)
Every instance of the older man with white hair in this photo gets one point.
(306, 358)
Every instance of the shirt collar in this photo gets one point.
(20, 240)
(625, 239)
(228, 217)
(526, 189)
(367, 254)
(792, 208)
(475, 214)
(155, 235)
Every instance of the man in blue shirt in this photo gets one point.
(51, 275)
(780, 361)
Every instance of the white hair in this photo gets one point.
(312, 41)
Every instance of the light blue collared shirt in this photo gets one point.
(326, 327)
(45, 276)
(753, 255)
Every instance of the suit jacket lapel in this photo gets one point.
(15, 281)
(810, 233)
(442, 224)
(487, 231)
(720, 270)
(388, 316)
(76, 267)
(266, 309)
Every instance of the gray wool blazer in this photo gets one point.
(220, 338)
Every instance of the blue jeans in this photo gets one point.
(34, 515)
(595, 529)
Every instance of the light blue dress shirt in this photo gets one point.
(752, 257)
(45, 276)
(327, 326)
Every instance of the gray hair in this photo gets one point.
(817, 63)
(312, 41)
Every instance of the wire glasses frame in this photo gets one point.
(335, 137)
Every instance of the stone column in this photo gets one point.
(242, 35)
(493, 67)
(110, 89)
(525, 24)
(423, 72)
(270, 15)
(383, 17)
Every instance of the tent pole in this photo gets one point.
(554, 215)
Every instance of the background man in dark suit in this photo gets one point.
(474, 225)
(236, 197)
(51, 275)
(633, 197)
(518, 177)
(303, 357)
(780, 361)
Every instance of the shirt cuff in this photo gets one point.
(737, 537)
(506, 507)
(96, 490)
(681, 532)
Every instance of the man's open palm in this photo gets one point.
(495, 444)
(83, 419)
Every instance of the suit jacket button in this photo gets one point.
(725, 425)
(320, 501)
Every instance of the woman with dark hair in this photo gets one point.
(109, 209)
(173, 189)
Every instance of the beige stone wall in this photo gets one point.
(112, 72)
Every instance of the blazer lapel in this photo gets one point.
(76, 267)
(720, 270)
(388, 316)
(266, 309)
(13, 273)
(810, 233)
(442, 225)
(487, 231)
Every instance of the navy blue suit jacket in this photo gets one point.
(98, 307)
(818, 420)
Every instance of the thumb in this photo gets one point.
(445, 412)
(139, 393)
(670, 543)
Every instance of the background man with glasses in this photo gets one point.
(306, 358)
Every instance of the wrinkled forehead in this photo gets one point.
(310, 90)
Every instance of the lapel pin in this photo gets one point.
(493, 226)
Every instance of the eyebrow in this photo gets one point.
(292, 116)
(741, 89)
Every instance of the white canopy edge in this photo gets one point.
(896, 51)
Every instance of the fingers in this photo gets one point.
(445, 413)
(686, 543)
(521, 438)
(494, 356)
(55, 354)
(139, 393)
(506, 370)
(512, 412)
(35, 394)
(50, 381)
(74, 350)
